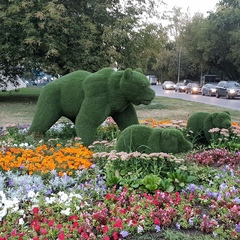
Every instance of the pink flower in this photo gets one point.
(43, 231)
(61, 236)
(106, 238)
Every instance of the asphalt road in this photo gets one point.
(222, 102)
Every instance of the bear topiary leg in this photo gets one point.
(47, 113)
(126, 118)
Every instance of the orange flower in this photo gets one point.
(44, 159)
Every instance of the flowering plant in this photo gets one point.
(58, 189)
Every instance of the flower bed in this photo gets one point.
(58, 189)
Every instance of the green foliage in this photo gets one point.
(151, 182)
(180, 178)
(59, 37)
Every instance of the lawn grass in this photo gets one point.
(19, 107)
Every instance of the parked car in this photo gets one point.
(193, 88)
(209, 89)
(228, 89)
(168, 85)
(180, 87)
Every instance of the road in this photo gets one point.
(221, 102)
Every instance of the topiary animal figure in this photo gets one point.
(146, 139)
(87, 99)
(200, 123)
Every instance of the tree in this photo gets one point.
(213, 41)
(61, 36)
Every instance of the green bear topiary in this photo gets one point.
(87, 99)
(146, 139)
(200, 123)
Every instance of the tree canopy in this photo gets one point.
(61, 36)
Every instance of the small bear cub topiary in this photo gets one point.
(200, 123)
(146, 139)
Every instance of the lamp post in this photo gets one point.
(179, 63)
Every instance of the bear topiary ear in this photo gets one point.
(139, 70)
(227, 112)
(127, 73)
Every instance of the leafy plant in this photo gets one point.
(180, 179)
(151, 182)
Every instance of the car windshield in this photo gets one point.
(233, 84)
(194, 85)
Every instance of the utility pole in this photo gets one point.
(179, 63)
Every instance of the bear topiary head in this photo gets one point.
(172, 140)
(221, 120)
(135, 86)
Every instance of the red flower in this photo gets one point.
(14, 233)
(118, 224)
(61, 236)
(105, 229)
(35, 210)
(50, 223)
(156, 221)
(115, 236)
(59, 226)
(73, 218)
(84, 235)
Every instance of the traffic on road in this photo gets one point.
(232, 103)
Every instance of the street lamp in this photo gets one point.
(179, 63)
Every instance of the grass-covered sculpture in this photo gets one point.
(87, 99)
(200, 123)
(146, 139)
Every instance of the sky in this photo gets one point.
(194, 6)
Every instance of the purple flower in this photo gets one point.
(178, 226)
(10, 183)
(238, 227)
(124, 233)
(191, 221)
(21, 167)
(236, 200)
(157, 228)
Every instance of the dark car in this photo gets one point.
(180, 87)
(209, 89)
(193, 88)
(168, 85)
(228, 89)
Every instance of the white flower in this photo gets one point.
(21, 221)
(139, 229)
(3, 213)
(63, 196)
(50, 200)
(31, 194)
(66, 212)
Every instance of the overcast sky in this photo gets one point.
(194, 5)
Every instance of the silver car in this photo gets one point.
(209, 89)
(168, 85)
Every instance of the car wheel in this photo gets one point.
(203, 93)
(227, 95)
(217, 95)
